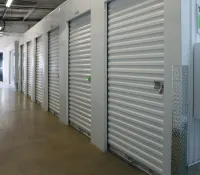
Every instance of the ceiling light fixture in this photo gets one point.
(0, 28)
(9, 2)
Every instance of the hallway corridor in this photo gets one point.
(34, 142)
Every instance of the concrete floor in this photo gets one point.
(194, 170)
(34, 142)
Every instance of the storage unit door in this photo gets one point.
(29, 77)
(53, 63)
(79, 74)
(136, 81)
(39, 70)
(22, 67)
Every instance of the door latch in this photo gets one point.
(159, 85)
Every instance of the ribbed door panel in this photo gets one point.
(135, 61)
(22, 68)
(79, 72)
(39, 70)
(29, 78)
(53, 64)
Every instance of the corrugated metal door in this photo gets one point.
(22, 68)
(79, 74)
(53, 64)
(135, 75)
(39, 70)
(29, 78)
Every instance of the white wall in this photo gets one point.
(6, 45)
(6, 62)
(7, 40)
(99, 74)
(15, 28)
(73, 8)
(6, 65)
(58, 17)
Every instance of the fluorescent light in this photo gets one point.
(9, 2)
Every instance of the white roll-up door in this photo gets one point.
(39, 70)
(136, 81)
(79, 74)
(22, 67)
(29, 78)
(53, 66)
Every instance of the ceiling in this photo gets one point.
(27, 11)
(8, 39)
(21, 16)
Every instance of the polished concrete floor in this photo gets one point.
(194, 170)
(34, 142)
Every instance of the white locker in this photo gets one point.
(29, 77)
(136, 81)
(39, 70)
(22, 67)
(80, 74)
(53, 73)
